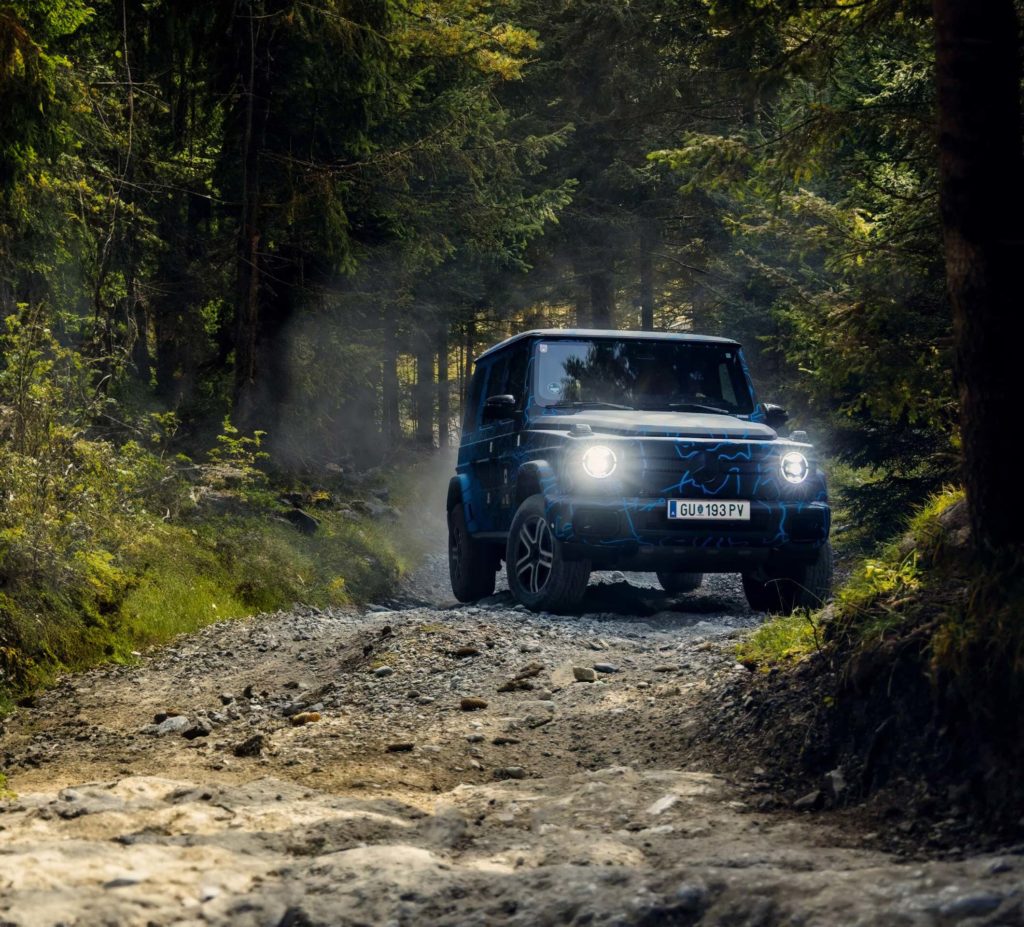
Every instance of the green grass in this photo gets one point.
(786, 638)
(175, 579)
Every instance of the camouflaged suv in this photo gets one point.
(586, 450)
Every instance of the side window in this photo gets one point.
(499, 375)
(474, 400)
(515, 385)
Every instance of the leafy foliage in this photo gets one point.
(831, 199)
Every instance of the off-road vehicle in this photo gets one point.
(639, 451)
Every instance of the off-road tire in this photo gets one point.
(539, 576)
(675, 583)
(807, 586)
(472, 564)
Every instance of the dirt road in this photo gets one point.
(435, 765)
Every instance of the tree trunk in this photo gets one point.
(444, 414)
(424, 392)
(254, 116)
(138, 319)
(602, 299)
(467, 375)
(581, 294)
(982, 200)
(391, 421)
(648, 237)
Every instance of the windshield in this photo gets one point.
(678, 376)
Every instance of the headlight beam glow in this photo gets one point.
(599, 461)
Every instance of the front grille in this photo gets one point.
(682, 470)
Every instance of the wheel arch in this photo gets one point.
(534, 477)
(460, 491)
(456, 491)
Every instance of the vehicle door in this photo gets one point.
(491, 437)
(471, 448)
(508, 440)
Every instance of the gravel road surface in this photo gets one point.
(419, 763)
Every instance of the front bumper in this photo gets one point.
(637, 533)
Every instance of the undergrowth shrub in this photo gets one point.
(882, 593)
(102, 550)
(922, 665)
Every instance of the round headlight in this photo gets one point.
(794, 467)
(599, 461)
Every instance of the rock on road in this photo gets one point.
(433, 765)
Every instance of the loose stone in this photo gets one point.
(808, 802)
(174, 725)
(510, 772)
(251, 746)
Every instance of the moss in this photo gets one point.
(786, 638)
(887, 590)
(174, 579)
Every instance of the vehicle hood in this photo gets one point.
(655, 424)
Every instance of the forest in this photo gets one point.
(309, 217)
(251, 248)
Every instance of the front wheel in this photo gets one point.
(806, 586)
(471, 563)
(675, 583)
(539, 576)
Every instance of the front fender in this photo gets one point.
(535, 476)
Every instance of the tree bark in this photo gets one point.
(424, 391)
(444, 414)
(254, 115)
(391, 421)
(581, 294)
(602, 299)
(467, 375)
(138, 318)
(982, 201)
(648, 237)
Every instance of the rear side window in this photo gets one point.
(474, 400)
(515, 383)
(496, 382)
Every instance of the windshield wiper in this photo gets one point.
(697, 407)
(588, 404)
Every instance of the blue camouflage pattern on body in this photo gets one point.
(501, 463)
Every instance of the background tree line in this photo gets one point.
(311, 215)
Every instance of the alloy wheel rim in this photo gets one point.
(535, 554)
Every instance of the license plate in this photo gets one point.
(709, 509)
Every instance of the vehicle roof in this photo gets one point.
(574, 333)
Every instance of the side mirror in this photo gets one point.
(499, 408)
(774, 416)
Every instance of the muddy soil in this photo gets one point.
(419, 762)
